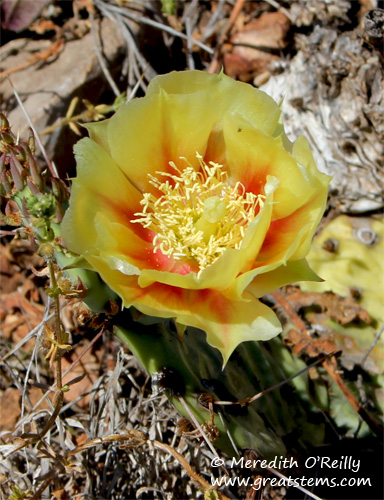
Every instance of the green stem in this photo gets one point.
(57, 330)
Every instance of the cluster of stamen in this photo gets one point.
(199, 214)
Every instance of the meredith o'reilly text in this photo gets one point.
(343, 463)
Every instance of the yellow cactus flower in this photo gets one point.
(191, 203)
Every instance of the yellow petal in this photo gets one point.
(283, 275)
(168, 123)
(124, 250)
(252, 156)
(98, 132)
(229, 96)
(160, 129)
(290, 238)
(301, 151)
(227, 323)
(124, 285)
(95, 190)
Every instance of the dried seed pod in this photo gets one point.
(65, 285)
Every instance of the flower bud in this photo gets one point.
(4, 124)
(7, 137)
(47, 251)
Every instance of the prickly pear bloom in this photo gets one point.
(192, 204)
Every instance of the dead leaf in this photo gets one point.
(10, 406)
(344, 310)
(311, 346)
(256, 46)
(303, 338)
(18, 315)
(60, 494)
(42, 26)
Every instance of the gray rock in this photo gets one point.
(47, 88)
(332, 93)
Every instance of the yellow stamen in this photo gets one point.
(199, 215)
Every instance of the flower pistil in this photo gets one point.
(199, 214)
